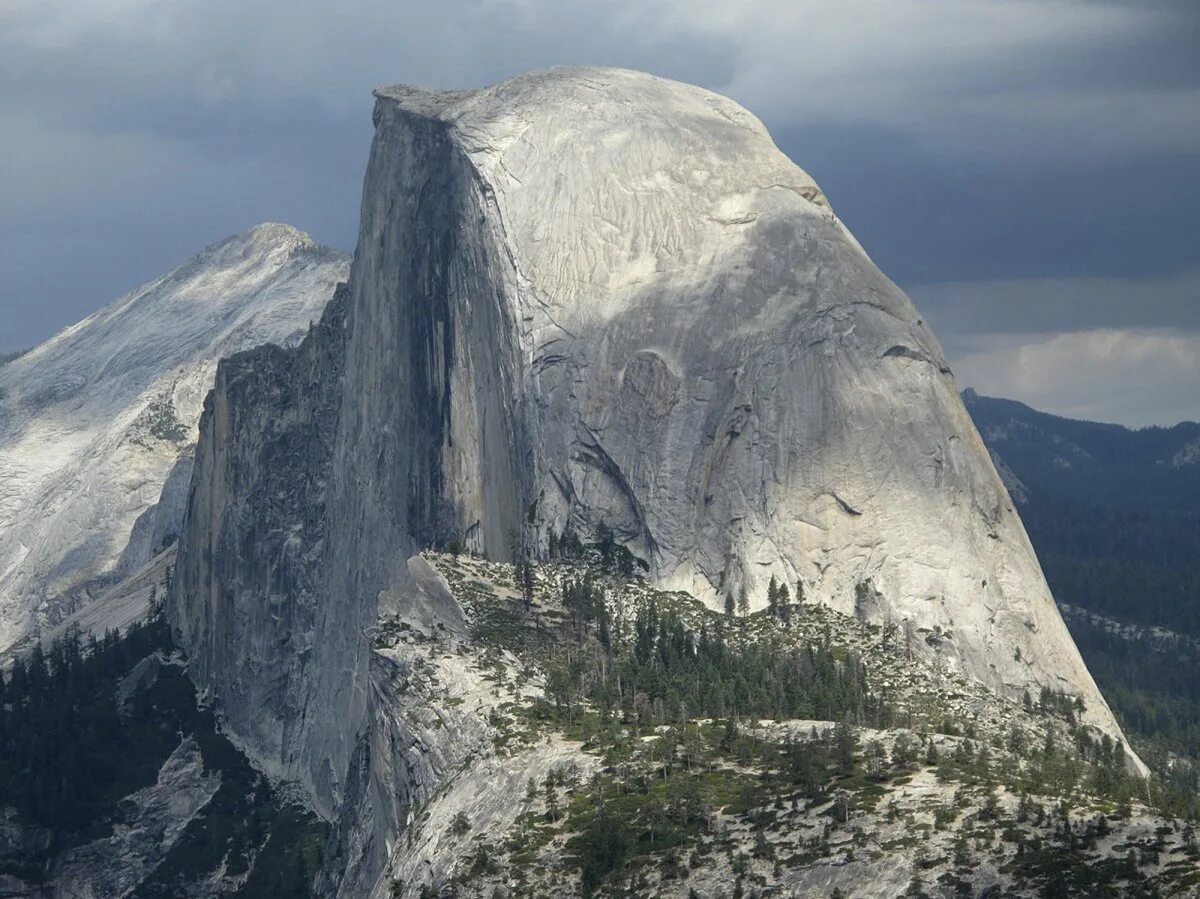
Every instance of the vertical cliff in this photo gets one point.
(253, 608)
(586, 296)
(396, 424)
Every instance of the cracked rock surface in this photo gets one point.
(585, 296)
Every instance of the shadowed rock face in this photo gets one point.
(93, 420)
(591, 295)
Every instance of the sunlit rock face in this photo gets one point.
(585, 296)
(94, 420)
(681, 339)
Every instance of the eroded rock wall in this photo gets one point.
(93, 420)
(712, 365)
(585, 296)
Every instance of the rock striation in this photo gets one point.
(93, 420)
(589, 296)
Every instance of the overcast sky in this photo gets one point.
(1029, 170)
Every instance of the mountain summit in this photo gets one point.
(585, 301)
(94, 419)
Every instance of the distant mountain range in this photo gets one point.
(1114, 513)
(1150, 469)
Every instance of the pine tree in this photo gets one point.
(605, 541)
(551, 799)
(784, 604)
(845, 744)
(526, 577)
(773, 598)
(743, 603)
(37, 671)
(17, 680)
(729, 605)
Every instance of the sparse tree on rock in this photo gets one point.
(525, 577)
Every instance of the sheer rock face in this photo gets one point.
(591, 295)
(94, 419)
(253, 607)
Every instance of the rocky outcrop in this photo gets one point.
(120, 606)
(588, 296)
(93, 420)
(141, 835)
(154, 818)
(158, 527)
(266, 635)
(1188, 456)
(687, 344)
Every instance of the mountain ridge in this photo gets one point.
(1105, 464)
(1187, 426)
(92, 419)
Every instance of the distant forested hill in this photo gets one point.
(1152, 470)
(1114, 515)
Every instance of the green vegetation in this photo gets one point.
(69, 755)
(1134, 565)
(1116, 526)
(670, 696)
(663, 672)
(245, 826)
(1153, 686)
(604, 554)
(162, 422)
(66, 753)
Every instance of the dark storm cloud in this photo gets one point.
(926, 218)
(1023, 166)
(961, 311)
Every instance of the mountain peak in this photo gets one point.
(692, 153)
(263, 240)
(121, 392)
(634, 93)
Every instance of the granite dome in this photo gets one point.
(586, 296)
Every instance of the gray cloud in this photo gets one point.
(1133, 377)
(1021, 142)
(962, 311)
(1113, 349)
